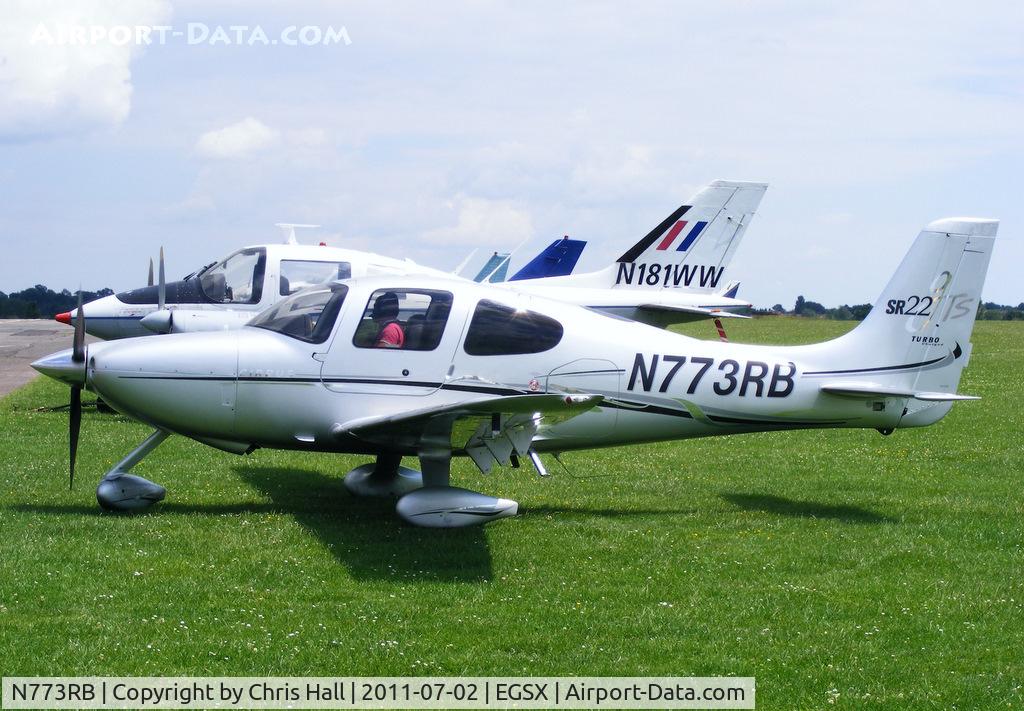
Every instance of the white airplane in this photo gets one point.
(228, 293)
(495, 375)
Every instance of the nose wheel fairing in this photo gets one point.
(128, 492)
(120, 490)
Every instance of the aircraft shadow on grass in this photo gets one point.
(782, 506)
(365, 535)
(361, 533)
(583, 510)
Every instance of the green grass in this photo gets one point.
(834, 566)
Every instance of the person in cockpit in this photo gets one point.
(385, 315)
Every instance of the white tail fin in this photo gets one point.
(919, 330)
(693, 246)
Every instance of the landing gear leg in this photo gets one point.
(385, 477)
(121, 490)
(440, 505)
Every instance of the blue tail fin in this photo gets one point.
(732, 289)
(494, 270)
(559, 259)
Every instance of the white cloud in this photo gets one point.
(484, 222)
(238, 140)
(52, 87)
(250, 136)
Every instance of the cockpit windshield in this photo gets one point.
(236, 280)
(307, 315)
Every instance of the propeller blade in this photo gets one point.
(150, 282)
(78, 344)
(162, 288)
(75, 426)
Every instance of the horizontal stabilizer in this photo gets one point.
(872, 390)
(698, 312)
(943, 397)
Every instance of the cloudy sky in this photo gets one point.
(428, 129)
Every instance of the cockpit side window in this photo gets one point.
(497, 329)
(308, 315)
(299, 274)
(403, 319)
(236, 280)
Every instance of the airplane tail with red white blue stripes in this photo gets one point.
(693, 246)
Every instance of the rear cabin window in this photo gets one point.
(497, 329)
(403, 320)
(298, 274)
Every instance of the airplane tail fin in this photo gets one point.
(693, 246)
(731, 290)
(919, 330)
(558, 259)
(494, 269)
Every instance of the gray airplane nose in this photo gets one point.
(59, 366)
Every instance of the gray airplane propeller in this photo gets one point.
(161, 320)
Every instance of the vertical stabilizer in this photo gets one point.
(919, 330)
(692, 247)
(558, 259)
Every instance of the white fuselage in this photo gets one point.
(254, 387)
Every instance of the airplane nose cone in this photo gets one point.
(60, 366)
(64, 317)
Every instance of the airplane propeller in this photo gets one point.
(161, 291)
(75, 411)
(161, 320)
(150, 282)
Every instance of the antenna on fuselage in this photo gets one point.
(289, 230)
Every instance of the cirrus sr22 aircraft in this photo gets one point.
(674, 274)
(496, 375)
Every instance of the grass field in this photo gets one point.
(835, 566)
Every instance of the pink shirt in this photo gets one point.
(391, 336)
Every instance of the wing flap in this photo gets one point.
(490, 430)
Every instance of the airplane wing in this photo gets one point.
(489, 431)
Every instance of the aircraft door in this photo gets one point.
(401, 343)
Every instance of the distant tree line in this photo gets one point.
(42, 302)
(988, 311)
